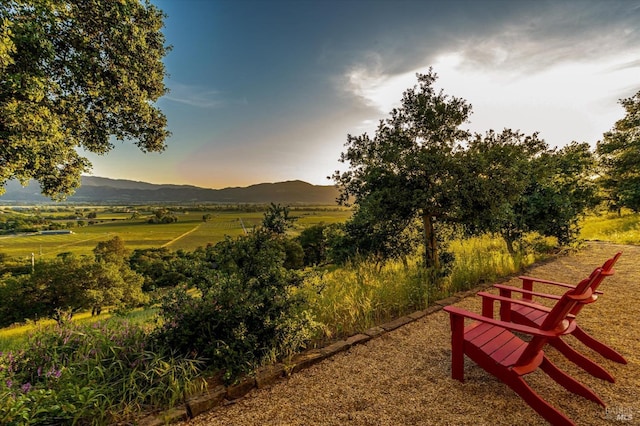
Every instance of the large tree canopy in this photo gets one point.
(408, 168)
(421, 164)
(76, 74)
(619, 153)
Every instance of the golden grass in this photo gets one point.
(14, 336)
(611, 227)
(353, 298)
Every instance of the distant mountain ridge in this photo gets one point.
(120, 191)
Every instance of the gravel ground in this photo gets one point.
(403, 377)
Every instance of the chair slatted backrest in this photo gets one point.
(607, 270)
(556, 320)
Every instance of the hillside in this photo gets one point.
(118, 191)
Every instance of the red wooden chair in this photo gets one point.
(493, 346)
(534, 316)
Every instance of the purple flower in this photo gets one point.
(54, 373)
(39, 371)
(26, 387)
(9, 383)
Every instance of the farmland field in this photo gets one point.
(188, 233)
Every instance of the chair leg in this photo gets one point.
(568, 382)
(457, 347)
(535, 401)
(598, 346)
(582, 361)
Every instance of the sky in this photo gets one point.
(268, 90)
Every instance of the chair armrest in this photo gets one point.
(531, 293)
(543, 281)
(520, 302)
(453, 311)
(555, 283)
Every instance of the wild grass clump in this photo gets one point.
(15, 336)
(99, 373)
(484, 259)
(363, 294)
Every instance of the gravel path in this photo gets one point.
(403, 377)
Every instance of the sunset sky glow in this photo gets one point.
(267, 90)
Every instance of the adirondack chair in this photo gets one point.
(534, 316)
(493, 346)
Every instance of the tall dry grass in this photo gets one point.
(611, 227)
(360, 295)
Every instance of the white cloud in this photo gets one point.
(569, 100)
(566, 101)
(374, 86)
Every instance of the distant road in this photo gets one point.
(76, 242)
(181, 236)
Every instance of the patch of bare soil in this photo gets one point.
(404, 377)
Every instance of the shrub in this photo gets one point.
(247, 312)
(294, 254)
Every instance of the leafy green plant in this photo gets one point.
(97, 373)
(247, 311)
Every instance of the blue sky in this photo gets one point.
(267, 90)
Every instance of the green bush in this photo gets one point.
(247, 312)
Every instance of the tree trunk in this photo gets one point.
(510, 248)
(430, 244)
(509, 240)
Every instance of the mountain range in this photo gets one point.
(119, 191)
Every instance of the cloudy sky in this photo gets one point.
(267, 90)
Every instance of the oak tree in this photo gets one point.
(408, 168)
(76, 75)
(511, 184)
